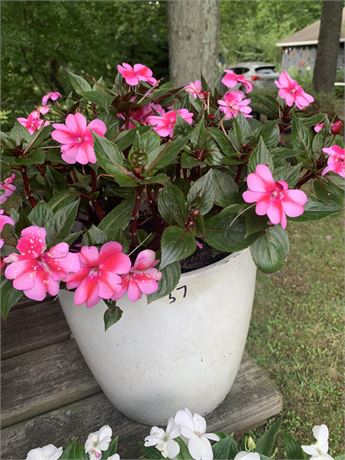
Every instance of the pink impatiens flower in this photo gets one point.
(133, 75)
(231, 79)
(142, 279)
(33, 122)
(336, 160)
(194, 88)
(141, 115)
(234, 103)
(7, 187)
(292, 92)
(4, 220)
(52, 95)
(164, 125)
(273, 197)
(318, 127)
(35, 271)
(76, 138)
(99, 274)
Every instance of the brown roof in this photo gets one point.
(309, 35)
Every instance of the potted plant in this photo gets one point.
(155, 205)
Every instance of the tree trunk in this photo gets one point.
(193, 40)
(328, 46)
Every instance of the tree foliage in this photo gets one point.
(250, 30)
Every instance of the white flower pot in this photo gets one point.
(182, 351)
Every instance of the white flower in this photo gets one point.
(247, 456)
(164, 440)
(48, 452)
(98, 441)
(114, 457)
(193, 428)
(319, 450)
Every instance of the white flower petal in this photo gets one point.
(321, 434)
(247, 456)
(173, 431)
(200, 449)
(310, 450)
(211, 436)
(199, 424)
(184, 418)
(114, 457)
(173, 448)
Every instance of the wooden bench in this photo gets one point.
(49, 395)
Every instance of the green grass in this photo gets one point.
(297, 329)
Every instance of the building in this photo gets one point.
(299, 49)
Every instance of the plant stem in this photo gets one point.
(135, 215)
(27, 188)
(97, 207)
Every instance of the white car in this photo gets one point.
(260, 74)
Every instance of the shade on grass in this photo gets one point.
(297, 329)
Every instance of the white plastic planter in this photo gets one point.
(182, 351)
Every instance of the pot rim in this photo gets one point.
(213, 266)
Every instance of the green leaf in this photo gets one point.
(112, 449)
(288, 173)
(254, 223)
(74, 451)
(198, 136)
(79, 84)
(8, 297)
(19, 134)
(201, 195)
(270, 250)
(225, 448)
(41, 215)
(329, 192)
(117, 219)
(37, 139)
(241, 130)
(315, 209)
(112, 314)
(110, 159)
(152, 453)
(260, 155)
(126, 138)
(265, 444)
(94, 236)
(98, 98)
(225, 187)
(168, 154)
(292, 449)
(172, 205)
(269, 132)
(170, 277)
(184, 451)
(181, 128)
(225, 231)
(223, 141)
(63, 222)
(176, 244)
(34, 157)
(301, 136)
(60, 199)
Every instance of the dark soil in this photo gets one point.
(201, 258)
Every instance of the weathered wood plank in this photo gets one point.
(42, 380)
(32, 327)
(252, 400)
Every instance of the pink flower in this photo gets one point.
(133, 75)
(52, 95)
(195, 89)
(142, 114)
(76, 138)
(336, 127)
(273, 198)
(34, 122)
(318, 127)
(43, 109)
(164, 125)
(292, 92)
(99, 274)
(35, 271)
(336, 160)
(8, 188)
(4, 220)
(231, 79)
(234, 103)
(142, 279)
